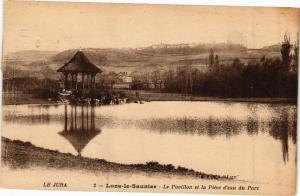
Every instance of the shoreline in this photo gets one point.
(19, 154)
(148, 96)
(162, 96)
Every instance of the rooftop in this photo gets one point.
(80, 63)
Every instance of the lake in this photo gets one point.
(256, 142)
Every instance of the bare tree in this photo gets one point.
(155, 77)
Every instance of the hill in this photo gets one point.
(26, 56)
(43, 64)
(275, 47)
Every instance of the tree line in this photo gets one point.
(263, 78)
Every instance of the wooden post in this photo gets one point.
(66, 81)
(87, 118)
(75, 115)
(82, 118)
(72, 128)
(88, 81)
(76, 81)
(93, 82)
(66, 118)
(71, 85)
(91, 124)
(82, 81)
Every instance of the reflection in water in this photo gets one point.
(282, 128)
(155, 130)
(34, 115)
(211, 127)
(79, 126)
(252, 126)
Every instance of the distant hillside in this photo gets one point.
(163, 56)
(29, 55)
(178, 49)
(275, 48)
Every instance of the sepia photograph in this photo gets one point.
(115, 97)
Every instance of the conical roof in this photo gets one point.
(80, 63)
(79, 139)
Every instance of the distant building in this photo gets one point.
(123, 81)
(124, 77)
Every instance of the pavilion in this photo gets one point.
(79, 64)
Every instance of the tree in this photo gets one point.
(296, 57)
(155, 77)
(285, 50)
(211, 58)
(217, 60)
(237, 63)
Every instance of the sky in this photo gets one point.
(59, 26)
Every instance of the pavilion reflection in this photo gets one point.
(79, 126)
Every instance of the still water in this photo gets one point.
(256, 142)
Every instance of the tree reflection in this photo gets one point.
(252, 125)
(211, 126)
(282, 128)
(35, 115)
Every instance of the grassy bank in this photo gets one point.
(161, 96)
(18, 154)
(19, 98)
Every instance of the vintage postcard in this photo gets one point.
(149, 98)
